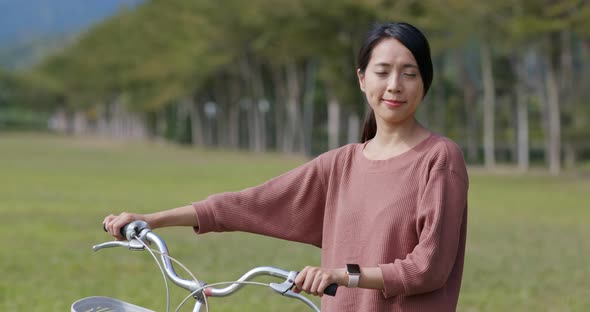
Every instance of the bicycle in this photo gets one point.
(139, 236)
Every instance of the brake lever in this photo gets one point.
(285, 286)
(133, 244)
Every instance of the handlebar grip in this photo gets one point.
(331, 290)
(131, 229)
(122, 230)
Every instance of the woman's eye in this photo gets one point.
(410, 75)
(381, 73)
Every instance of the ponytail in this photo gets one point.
(369, 127)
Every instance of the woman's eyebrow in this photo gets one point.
(409, 65)
(383, 64)
(404, 66)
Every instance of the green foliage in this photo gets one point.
(26, 100)
(154, 53)
(14, 118)
(163, 52)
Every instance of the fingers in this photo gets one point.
(108, 224)
(114, 223)
(299, 279)
(316, 283)
(308, 282)
(313, 280)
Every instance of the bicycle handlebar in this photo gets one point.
(140, 230)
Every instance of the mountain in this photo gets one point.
(29, 29)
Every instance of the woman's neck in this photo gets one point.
(392, 140)
(394, 135)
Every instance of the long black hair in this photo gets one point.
(411, 38)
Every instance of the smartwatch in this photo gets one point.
(354, 275)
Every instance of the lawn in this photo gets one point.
(528, 236)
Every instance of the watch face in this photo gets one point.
(353, 269)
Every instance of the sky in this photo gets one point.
(26, 20)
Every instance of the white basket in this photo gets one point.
(105, 304)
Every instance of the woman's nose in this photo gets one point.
(393, 84)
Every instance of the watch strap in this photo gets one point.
(353, 280)
(354, 275)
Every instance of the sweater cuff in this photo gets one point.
(205, 217)
(392, 281)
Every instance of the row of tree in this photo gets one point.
(511, 77)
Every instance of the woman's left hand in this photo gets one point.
(314, 280)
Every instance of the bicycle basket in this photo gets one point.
(105, 304)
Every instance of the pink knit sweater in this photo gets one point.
(406, 214)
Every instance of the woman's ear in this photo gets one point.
(361, 77)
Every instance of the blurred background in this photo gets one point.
(511, 77)
(111, 105)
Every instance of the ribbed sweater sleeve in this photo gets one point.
(440, 215)
(289, 207)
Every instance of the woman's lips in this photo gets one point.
(393, 103)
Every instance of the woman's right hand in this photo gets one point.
(181, 216)
(114, 223)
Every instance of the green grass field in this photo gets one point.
(528, 237)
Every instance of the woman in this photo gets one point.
(389, 214)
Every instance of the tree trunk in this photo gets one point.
(259, 131)
(182, 112)
(58, 122)
(161, 123)
(294, 133)
(197, 135)
(554, 143)
(565, 94)
(209, 129)
(260, 108)
(233, 125)
(247, 103)
(522, 128)
(439, 101)
(569, 156)
(150, 118)
(489, 102)
(541, 95)
(469, 104)
(522, 116)
(308, 105)
(102, 123)
(80, 124)
(233, 113)
(116, 120)
(226, 90)
(280, 89)
(138, 128)
(251, 72)
(333, 122)
(423, 112)
(221, 96)
(354, 128)
(440, 109)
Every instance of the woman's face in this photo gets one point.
(392, 83)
